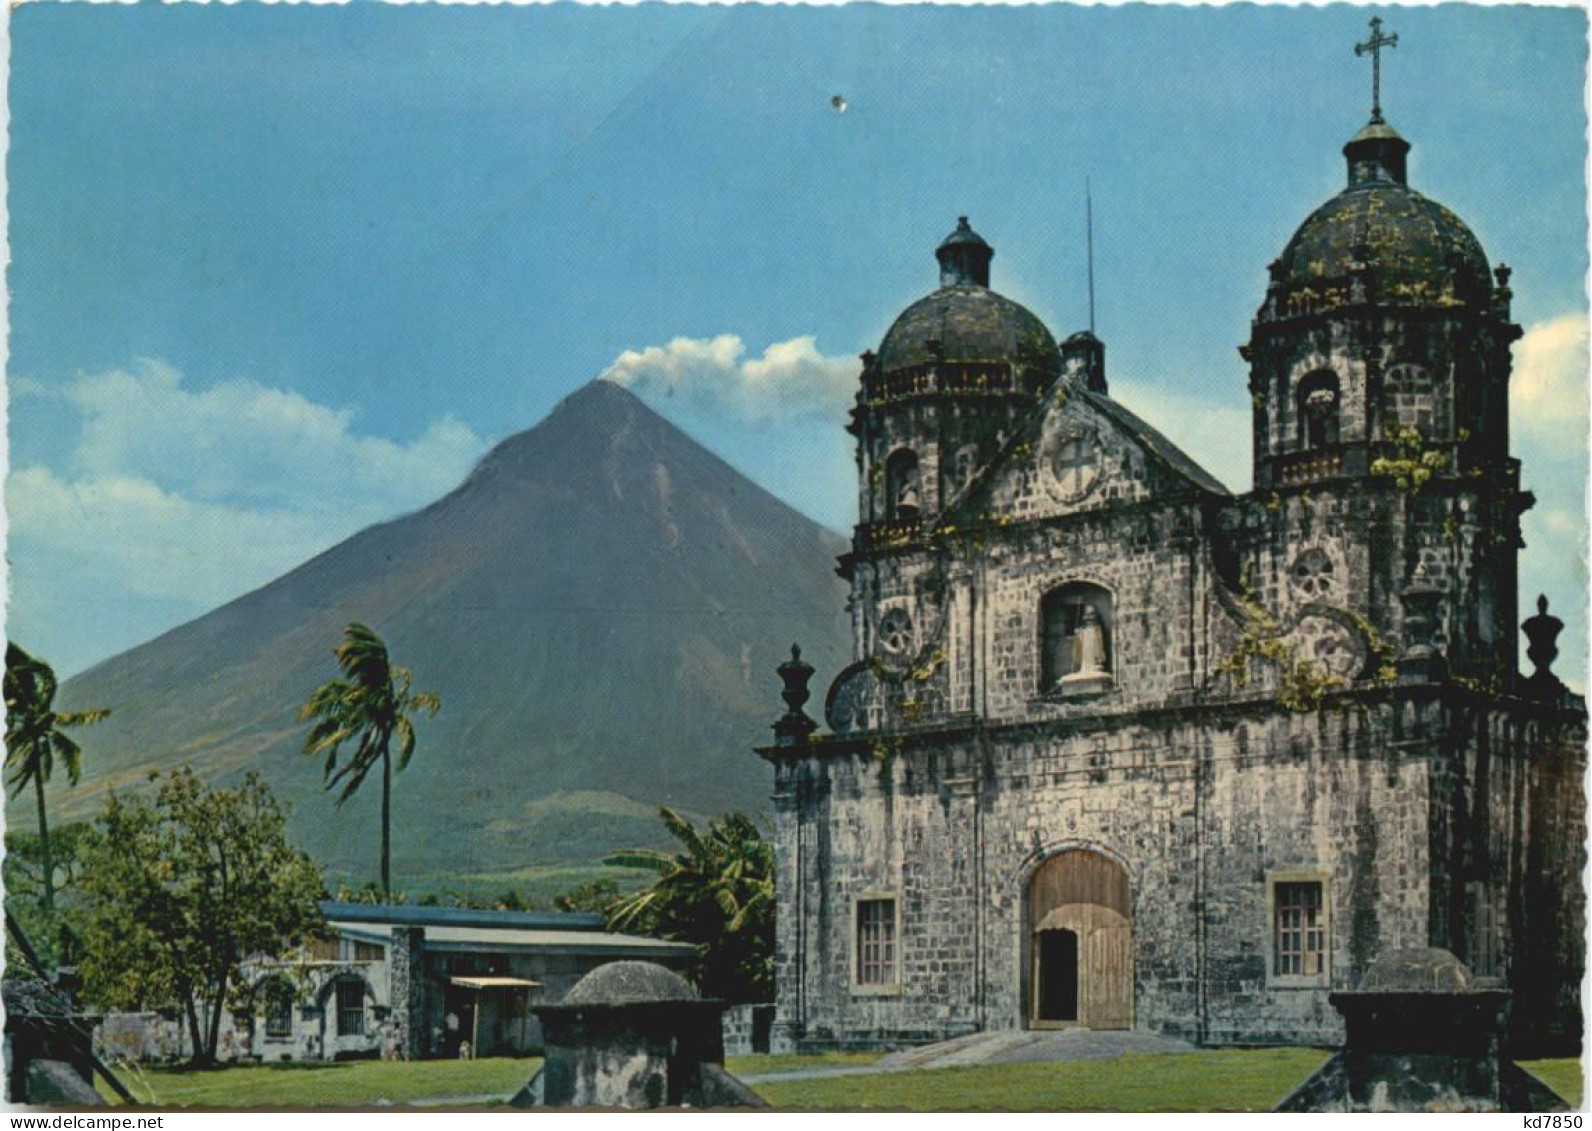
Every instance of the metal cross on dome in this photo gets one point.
(1374, 45)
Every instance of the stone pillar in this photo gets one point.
(1422, 1034)
(407, 989)
(1423, 657)
(634, 1035)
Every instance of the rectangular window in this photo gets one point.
(325, 950)
(1300, 945)
(279, 1013)
(350, 1009)
(876, 942)
(367, 951)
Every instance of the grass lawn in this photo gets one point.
(1225, 1080)
(354, 1083)
(1562, 1075)
(792, 1062)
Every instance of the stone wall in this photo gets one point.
(747, 1028)
(1203, 810)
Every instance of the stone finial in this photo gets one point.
(1543, 632)
(1501, 293)
(794, 726)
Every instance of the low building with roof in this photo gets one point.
(433, 981)
(406, 982)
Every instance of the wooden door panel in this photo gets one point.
(1108, 978)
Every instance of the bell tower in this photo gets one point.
(954, 374)
(1379, 371)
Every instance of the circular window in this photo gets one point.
(1312, 576)
(895, 634)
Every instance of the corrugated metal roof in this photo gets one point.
(561, 941)
(388, 915)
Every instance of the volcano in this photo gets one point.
(600, 605)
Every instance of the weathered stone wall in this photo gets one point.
(1508, 829)
(1199, 817)
(1384, 797)
(1144, 559)
(746, 1029)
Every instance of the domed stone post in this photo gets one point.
(1422, 1033)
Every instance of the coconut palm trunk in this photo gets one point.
(369, 707)
(35, 738)
(386, 825)
(44, 847)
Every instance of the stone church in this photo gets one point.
(1120, 749)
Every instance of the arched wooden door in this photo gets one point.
(1079, 928)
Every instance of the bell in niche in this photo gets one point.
(906, 508)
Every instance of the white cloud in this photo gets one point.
(1548, 393)
(790, 378)
(178, 500)
(244, 443)
(125, 534)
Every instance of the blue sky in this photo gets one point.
(280, 271)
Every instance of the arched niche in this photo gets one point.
(903, 489)
(1320, 410)
(1077, 642)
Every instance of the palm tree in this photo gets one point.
(370, 706)
(34, 739)
(717, 892)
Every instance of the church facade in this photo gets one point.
(1119, 749)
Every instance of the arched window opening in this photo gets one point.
(350, 995)
(1077, 639)
(1319, 410)
(276, 999)
(903, 495)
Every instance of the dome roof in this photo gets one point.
(1412, 250)
(627, 983)
(967, 323)
(1418, 970)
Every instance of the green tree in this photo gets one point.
(368, 708)
(54, 936)
(593, 895)
(716, 892)
(35, 738)
(183, 889)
